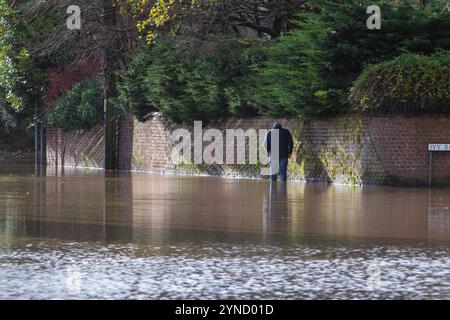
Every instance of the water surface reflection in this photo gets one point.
(132, 235)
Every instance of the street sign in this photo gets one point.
(435, 148)
(438, 147)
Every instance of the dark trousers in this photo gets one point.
(283, 170)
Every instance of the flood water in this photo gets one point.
(83, 234)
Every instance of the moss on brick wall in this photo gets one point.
(332, 151)
(352, 149)
(341, 158)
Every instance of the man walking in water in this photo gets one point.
(285, 148)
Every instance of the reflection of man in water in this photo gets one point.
(285, 148)
(278, 200)
(276, 211)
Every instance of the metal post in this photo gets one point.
(43, 136)
(39, 137)
(110, 137)
(36, 143)
(430, 166)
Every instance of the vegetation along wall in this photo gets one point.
(349, 150)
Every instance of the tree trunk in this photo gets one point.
(109, 22)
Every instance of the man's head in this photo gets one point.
(277, 126)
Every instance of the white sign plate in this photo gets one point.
(439, 147)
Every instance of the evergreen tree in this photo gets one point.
(311, 69)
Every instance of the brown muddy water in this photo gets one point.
(86, 234)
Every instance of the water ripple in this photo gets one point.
(222, 271)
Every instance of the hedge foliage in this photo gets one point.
(408, 84)
(310, 70)
(192, 77)
(79, 108)
(307, 72)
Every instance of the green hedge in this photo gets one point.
(311, 69)
(308, 72)
(79, 108)
(192, 77)
(408, 84)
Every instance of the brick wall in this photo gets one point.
(143, 145)
(352, 149)
(402, 143)
(149, 145)
(80, 148)
(340, 150)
